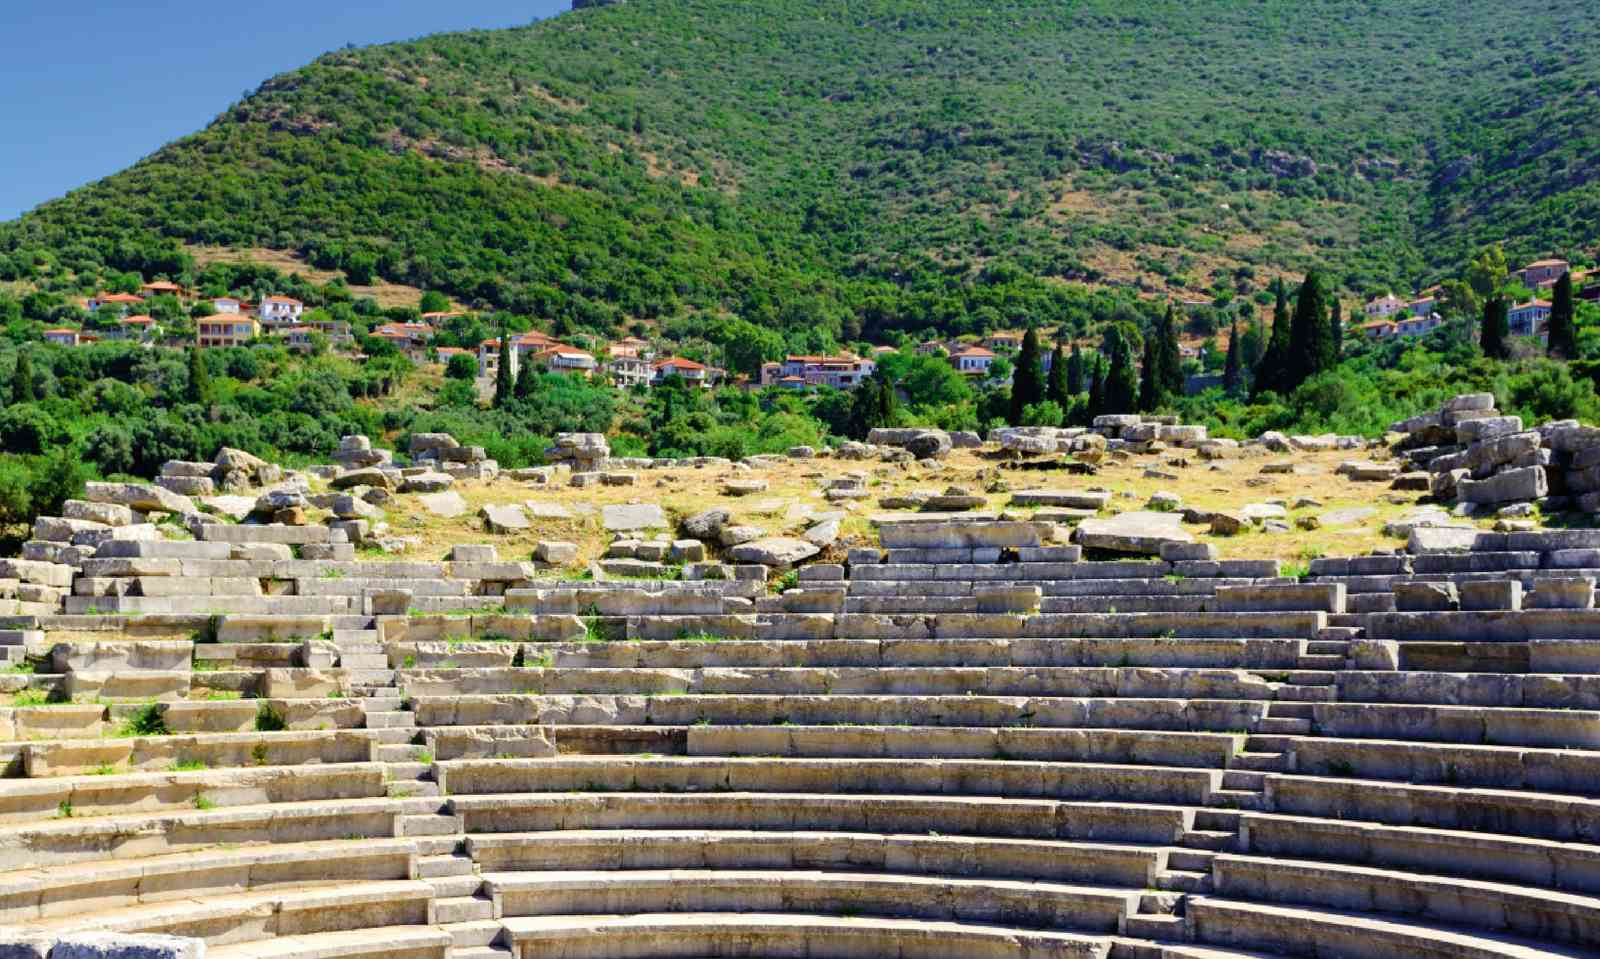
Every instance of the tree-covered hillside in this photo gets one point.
(843, 169)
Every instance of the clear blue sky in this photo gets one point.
(89, 86)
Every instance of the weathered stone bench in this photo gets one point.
(1036, 903)
(155, 753)
(26, 800)
(1155, 784)
(1047, 859)
(747, 709)
(711, 934)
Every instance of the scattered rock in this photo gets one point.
(504, 518)
(777, 552)
(631, 516)
(448, 504)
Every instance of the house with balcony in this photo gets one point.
(225, 329)
(1529, 319)
(1003, 340)
(563, 359)
(843, 372)
(972, 360)
(280, 311)
(692, 373)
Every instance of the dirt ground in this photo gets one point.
(795, 492)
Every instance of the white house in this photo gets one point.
(281, 311)
(1384, 306)
(692, 373)
(972, 361)
(228, 304)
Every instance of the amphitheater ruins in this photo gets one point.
(381, 709)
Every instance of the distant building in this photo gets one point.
(1384, 306)
(62, 336)
(1378, 329)
(1529, 319)
(409, 337)
(843, 372)
(1003, 340)
(137, 329)
(121, 302)
(441, 316)
(1542, 273)
(446, 353)
(563, 359)
(281, 311)
(695, 374)
(229, 305)
(224, 329)
(1416, 324)
(162, 288)
(972, 361)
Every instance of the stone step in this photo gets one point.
(1328, 647)
(1237, 798)
(1220, 820)
(439, 845)
(1159, 928)
(411, 788)
(1284, 727)
(372, 677)
(343, 636)
(1327, 662)
(361, 649)
(391, 719)
(1259, 743)
(1177, 880)
(481, 952)
(480, 934)
(462, 909)
(406, 753)
(409, 769)
(1208, 839)
(439, 867)
(1291, 710)
(1243, 779)
(1339, 633)
(1190, 860)
(1261, 762)
(1307, 694)
(364, 661)
(391, 736)
(456, 887)
(430, 825)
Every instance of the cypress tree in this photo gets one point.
(1251, 347)
(1171, 357)
(502, 376)
(23, 389)
(1121, 391)
(1310, 335)
(1563, 342)
(1097, 392)
(1270, 373)
(1027, 383)
(524, 385)
(1150, 373)
(1230, 369)
(1056, 382)
(199, 378)
(1075, 372)
(1495, 329)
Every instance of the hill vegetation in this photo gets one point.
(836, 171)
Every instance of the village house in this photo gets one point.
(563, 359)
(162, 288)
(1378, 329)
(121, 302)
(298, 338)
(1416, 324)
(1003, 340)
(1529, 319)
(1542, 273)
(136, 329)
(692, 373)
(66, 336)
(445, 353)
(843, 372)
(225, 329)
(1383, 307)
(629, 362)
(281, 311)
(972, 361)
(407, 336)
(441, 316)
(229, 305)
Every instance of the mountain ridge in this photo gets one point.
(866, 167)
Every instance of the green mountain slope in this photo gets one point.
(848, 168)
